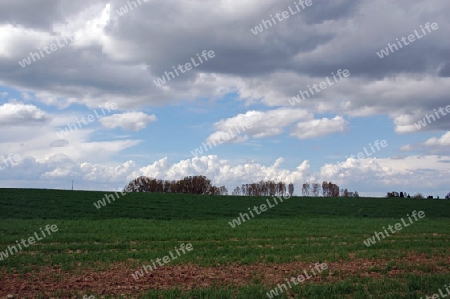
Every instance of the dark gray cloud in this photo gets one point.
(41, 14)
(445, 70)
(117, 58)
(23, 13)
(59, 143)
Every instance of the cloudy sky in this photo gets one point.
(101, 92)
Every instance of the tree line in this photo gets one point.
(328, 190)
(202, 185)
(262, 188)
(402, 194)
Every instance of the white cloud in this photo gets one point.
(433, 145)
(224, 172)
(382, 175)
(411, 174)
(319, 127)
(133, 121)
(18, 114)
(442, 142)
(404, 123)
(257, 124)
(27, 139)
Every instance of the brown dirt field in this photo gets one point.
(117, 278)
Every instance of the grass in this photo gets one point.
(62, 204)
(139, 227)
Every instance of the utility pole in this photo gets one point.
(72, 185)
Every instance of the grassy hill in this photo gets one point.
(63, 204)
(109, 244)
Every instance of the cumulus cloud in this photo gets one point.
(404, 123)
(224, 172)
(134, 44)
(443, 141)
(133, 121)
(433, 145)
(387, 173)
(59, 169)
(390, 173)
(413, 121)
(319, 127)
(256, 124)
(18, 114)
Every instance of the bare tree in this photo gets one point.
(291, 189)
(214, 191)
(345, 192)
(305, 189)
(236, 191)
(315, 189)
(333, 189)
(262, 188)
(223, 190)
(325, 189)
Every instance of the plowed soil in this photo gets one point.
(117, 278)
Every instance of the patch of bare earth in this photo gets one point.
(117, 278)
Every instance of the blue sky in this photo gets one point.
(114, 59)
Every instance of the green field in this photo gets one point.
(95, 251)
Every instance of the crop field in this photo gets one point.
(96, 253)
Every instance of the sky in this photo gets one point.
(100, 92)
